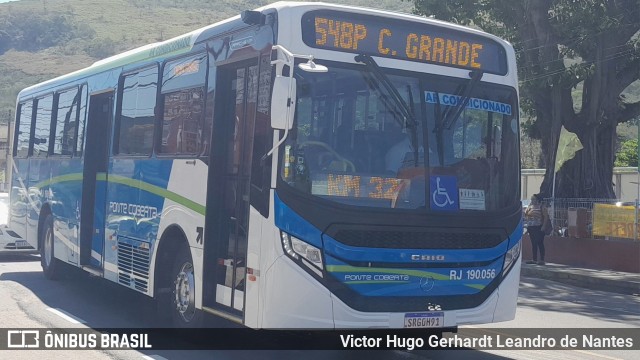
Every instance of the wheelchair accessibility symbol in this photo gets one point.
(444, 192)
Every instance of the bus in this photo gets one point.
(301, 165)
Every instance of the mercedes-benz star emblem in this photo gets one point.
(426, 283)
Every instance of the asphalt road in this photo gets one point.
(27, 299)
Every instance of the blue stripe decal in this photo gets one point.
(335, 248)
(381, 281)
(290, 222)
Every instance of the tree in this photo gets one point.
(592, 46)
(628, 154)
(29, 31)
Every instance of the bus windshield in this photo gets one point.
(357, 142)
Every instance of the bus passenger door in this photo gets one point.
(229, 187)
(94, 183)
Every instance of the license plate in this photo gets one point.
(22, 244)
(424, 320)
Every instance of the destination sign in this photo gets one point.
(373, 187)
(405, 40)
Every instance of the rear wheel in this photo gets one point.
(183, 304)
(51, 267)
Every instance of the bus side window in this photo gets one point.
(23, 130)
(182, 121)
(64, 126)
(136, 116)
(183, 106)
(41, 133)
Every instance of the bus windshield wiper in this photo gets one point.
(445, 120)
(405, 111)
(389, 103)
(438, 129)
(393, 93)
(448, 120)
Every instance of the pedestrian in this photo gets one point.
(535, 214)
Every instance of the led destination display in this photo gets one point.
(362, 34)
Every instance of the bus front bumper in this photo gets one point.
(297, 300)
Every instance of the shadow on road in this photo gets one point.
(100, 303)
(548, 295)
(9, 258)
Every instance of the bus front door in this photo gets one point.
(94, 180)
(229, 188)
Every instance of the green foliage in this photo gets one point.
(30, 31)
(101, 48)
(627, 131)
(628, 154)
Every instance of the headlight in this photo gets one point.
(511, 257)
(301, 251)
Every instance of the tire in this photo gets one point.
(182, 281)
(51, 267)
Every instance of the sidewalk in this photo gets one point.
(603, 280)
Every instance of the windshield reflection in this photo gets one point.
(354, 144)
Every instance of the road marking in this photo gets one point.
(65, 315)
(153, 357)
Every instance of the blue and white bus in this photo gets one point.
(302, 165)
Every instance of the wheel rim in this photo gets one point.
(185, 292)
(48, 247)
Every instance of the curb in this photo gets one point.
(628, 287)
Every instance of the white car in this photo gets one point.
(10, 241)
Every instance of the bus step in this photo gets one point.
(93, 271)
(222, 314)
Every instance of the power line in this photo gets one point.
(588, 63)
(583, 35)
(609, 57)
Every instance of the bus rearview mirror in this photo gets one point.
(283, 102)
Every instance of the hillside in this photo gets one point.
(41, 39)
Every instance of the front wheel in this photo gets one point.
(51, 267)
(183, 308)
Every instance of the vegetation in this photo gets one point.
(28, 31)
(628, 154)
(579, 64)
